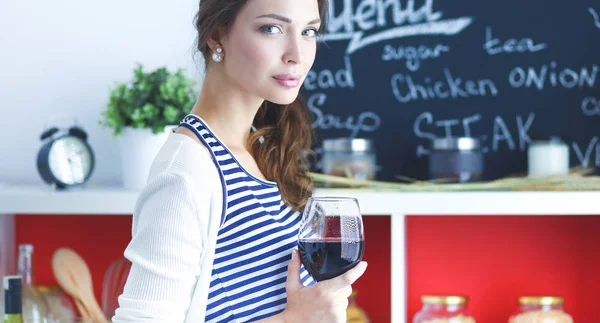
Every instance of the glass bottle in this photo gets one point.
(540, 309)
(13, 306)
(444, 309)
(35, 307)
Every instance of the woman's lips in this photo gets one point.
(287, 80)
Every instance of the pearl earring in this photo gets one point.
(216, 57)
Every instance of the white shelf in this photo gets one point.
(33, 199)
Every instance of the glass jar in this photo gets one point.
(444, 309)
(349, 157)
(456, 160)
(546, 158)
(540, 309)
(354, 313)
(61, 306)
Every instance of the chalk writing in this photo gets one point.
(326, 79)
(524, 138)
(412, 54)
(509, 46)
(366, 121)
(590, 106)
(501, 135)
(351, 23)
(584, 158)
(405, 89)
(596, 17)
(565, 77)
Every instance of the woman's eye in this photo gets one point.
(311, 32)
(271, 29)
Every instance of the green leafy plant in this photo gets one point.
(152, 100)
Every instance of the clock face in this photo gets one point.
(70, 160)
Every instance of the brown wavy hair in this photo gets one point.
(283, 152)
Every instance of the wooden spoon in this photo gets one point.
(85, 316)
(73, 275)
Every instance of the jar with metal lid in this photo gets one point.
(349, 157)
(456, 160)
(444, 309)
(540, 309)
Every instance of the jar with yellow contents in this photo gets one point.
(540, 309)
(444, 309)
(355, 313)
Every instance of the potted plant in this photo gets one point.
(141, 112)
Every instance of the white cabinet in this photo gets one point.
(107, 201)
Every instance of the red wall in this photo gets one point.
(100, 240)
(492, 259)
(496, 259)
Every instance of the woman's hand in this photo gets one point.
(324, 302)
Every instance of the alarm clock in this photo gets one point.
(65, 158)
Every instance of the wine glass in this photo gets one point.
(331, 237)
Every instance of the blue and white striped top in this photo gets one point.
(257, 234)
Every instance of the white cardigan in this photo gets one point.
(174, 232)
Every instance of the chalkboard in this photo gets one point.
(507, 72)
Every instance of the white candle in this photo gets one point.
(548, 158)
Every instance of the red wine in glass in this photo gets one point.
(330, 257)
(331, 238)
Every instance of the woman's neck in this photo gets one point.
(227, 109)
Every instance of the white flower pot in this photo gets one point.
(138, 149)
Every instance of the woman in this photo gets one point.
(215, 229)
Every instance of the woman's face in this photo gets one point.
(271, 47)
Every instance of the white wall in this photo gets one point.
(61, 57)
